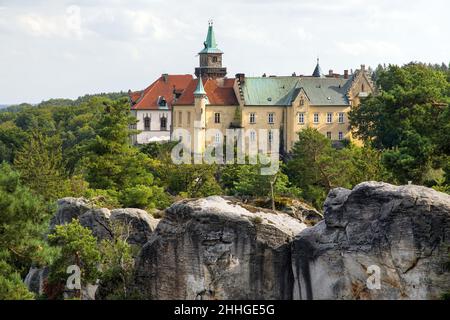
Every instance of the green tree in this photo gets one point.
(23, 219)
(409, 118)
(77, 247)
(111, 162)
(41, 166)
(117, 264)
(316, 167)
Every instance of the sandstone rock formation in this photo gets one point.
(214, 248)
(404, 231)
(138, 224)
(219, 248)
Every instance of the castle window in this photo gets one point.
(252, 117)
(214, 59)
(341, 117)
(217, 137)
(329, 135)
(270, 117)
(341, 135)
(301, 118)
(147, 123)
(316, 118)
(163, 123)
(217, 117)
(270, 136)
(329, 117)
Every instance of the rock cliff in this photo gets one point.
(214, 248)
(402, 232)
(377, 241)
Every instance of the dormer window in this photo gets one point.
(162, 102)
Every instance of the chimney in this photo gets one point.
(165, 77)
(345, 74)
(240, 77)
(330, 72)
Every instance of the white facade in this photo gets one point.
(151, 124)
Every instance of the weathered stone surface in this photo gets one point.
(140, 224)
(68, 209)
(213, 248)
(34, 280)
(98, 221)
(404, 230)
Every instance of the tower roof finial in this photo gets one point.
(210, 44)
(199, 90)
(317, 71)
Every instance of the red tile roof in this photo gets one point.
(219, 92)
(164, 86)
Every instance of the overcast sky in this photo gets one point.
(59, 48)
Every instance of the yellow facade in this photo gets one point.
(330, 120)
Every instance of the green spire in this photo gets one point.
(210, 42)
(200, 90)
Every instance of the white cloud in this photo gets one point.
(109, 45)
(369, 47)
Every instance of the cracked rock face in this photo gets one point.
(404, 231)
(214, 248)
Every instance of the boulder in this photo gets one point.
(68, 209)
(140, 224)
(216, 248)
(397, 234)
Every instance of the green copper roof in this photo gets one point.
(282, 91)
(210, 43)
(199, 90)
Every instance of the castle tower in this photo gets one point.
(200, 101)
(210, 58)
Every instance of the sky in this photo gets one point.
(65, 49)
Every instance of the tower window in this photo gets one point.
(252, 117)
(271, 116)
(147, 123)
(214, 59)
(217, 117)
(316, 118)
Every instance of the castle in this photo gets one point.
(214, 101)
